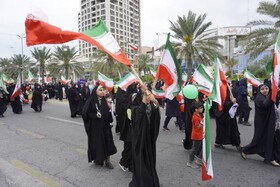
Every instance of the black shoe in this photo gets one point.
(219, 146)
(242, 154)
(240, 121)
(98, 164)
(247, 124)
(109, 165)
(166, 129)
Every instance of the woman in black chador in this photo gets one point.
(75, 101)
(3, 102)
(264, 123)
(226, 127)
(145, 129)
(97, 118)
(37, 98)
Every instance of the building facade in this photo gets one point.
(122, 17)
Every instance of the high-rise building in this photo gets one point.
(122, 17)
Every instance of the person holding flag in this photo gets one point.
(3, 101)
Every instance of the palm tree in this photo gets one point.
(41, 55)
(107, 65)
(264, 36)
(230, 64)
(4, 64)
(143, 60)
(66, 59)
(194, 41)
(19, 64)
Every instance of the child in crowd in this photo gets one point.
(197, 134)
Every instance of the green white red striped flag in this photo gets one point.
(105, 81)
(38, 31)
(251, 78)
(169, 71)
(207, 167)
(219, 90)
(17, 89)
(2, 84)
(127, 80)
(275, 69)
(153, 72)
(184, 78)
(204, 80)
(159, 94)
(30, 76)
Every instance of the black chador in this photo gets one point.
(145, 129)
(121, 107)
(37, 98)
(98, 129)
(75, 101)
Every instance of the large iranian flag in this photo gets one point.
(127, 80)
(219, 91)
(105, 81)
(275, 69)
(207, 168)
(251, 78)
(204, 80)
(38, 31)
(169, 71)
(17, 89)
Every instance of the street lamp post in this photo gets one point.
(21, 70)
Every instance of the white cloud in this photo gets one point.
(155, 17)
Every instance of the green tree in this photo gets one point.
(65, 61)
(4, 64)
(230, 64)
(19, 64)
(143, 63)
(41, 55)
(264, 35)
(195, 42)
(105, 64)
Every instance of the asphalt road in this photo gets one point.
(49, 149)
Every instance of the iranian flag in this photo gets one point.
(63, 80)
(38, 31)
(133, 47)
(169, 71)
(251, 78)
(207, 168)
(105, 81)
(30, 76)
(153, 72)
(127, 80)
(17, 87)
(202, 77)
(184, 78)
(2, 84)
(219, 90)
(275, 69)
(159, 94)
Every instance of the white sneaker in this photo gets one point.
(123, 168)
(275, 163)
(192, 165)
(198, 161)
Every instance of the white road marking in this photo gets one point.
(64, 120)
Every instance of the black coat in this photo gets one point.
(75, 101)
(145, 131)
(100, 138)
(226, 127)
(172, 108)
(122, 100)
(264, 123)
(3, 102)
(37, 98)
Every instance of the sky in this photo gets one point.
(155, 18)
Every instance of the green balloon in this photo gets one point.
(190, 91)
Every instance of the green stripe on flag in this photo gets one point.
(97, 30)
